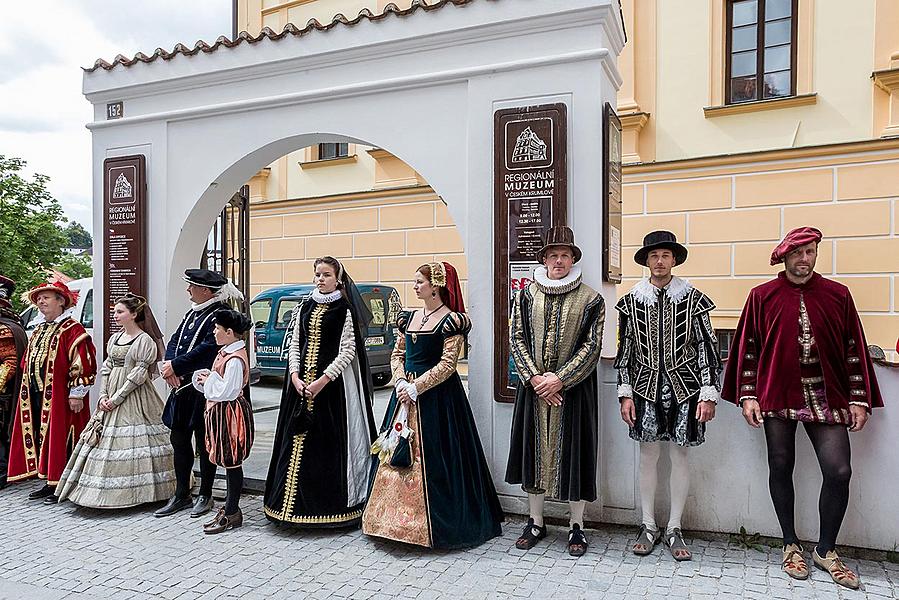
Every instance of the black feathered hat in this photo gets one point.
(205, 278)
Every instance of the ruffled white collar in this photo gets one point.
(648, 294)
(557, 286)
(198, 307)
(326, 298)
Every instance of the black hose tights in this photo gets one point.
(183, 446)
(831, 444)
(234, 478)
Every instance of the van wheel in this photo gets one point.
(381, 379)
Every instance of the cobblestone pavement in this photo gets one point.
(74, 553)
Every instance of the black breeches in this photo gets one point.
(183, 446)
(234, 478)
(831, 444)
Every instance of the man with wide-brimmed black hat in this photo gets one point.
(556, 334)
(668, 382)
(192, 348)
(12, 347)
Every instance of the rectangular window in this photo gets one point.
(725, 340)
(327, 151)
(761, 50)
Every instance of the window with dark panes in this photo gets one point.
(761, 49)
(326, 151)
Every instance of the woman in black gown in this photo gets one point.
(445, 497)
(320, 467)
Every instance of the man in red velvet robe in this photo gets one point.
(12, 348)
(52, 407)
(799, 355)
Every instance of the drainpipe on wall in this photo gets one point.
(234, 31)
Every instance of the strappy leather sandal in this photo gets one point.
(647, 540)
(577, 541)
(839, 572)
(677, 546)
(531, 535)
(794, 564)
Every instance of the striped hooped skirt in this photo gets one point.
(229, 432)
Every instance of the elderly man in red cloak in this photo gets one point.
(799, 355)
(52, 406)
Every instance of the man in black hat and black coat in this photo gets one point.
(12, 347)
(668, 381)
(555, 337)
(192, 348)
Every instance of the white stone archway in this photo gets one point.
(424, 86)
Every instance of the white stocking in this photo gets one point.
(649, 478)
(535, 504)
(680, 483)
(577, 513)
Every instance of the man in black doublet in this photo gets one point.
(192, 348)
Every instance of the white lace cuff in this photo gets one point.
(708, 393)
(625, 391)
(413, 391)
(80, 391)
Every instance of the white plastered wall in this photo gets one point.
(424, 88)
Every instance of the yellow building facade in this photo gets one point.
(729, 178)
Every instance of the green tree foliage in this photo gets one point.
(31, 239)
(78, 236)
(76, 267)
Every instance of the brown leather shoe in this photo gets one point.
(215, 519)
(224, 522)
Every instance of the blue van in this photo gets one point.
(272, 309)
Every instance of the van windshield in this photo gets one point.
(260, 310)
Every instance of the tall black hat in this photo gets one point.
(657, 240)
(559, 236)
(205, 278)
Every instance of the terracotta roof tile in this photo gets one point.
(267, 33)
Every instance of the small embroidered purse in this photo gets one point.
(93, 431)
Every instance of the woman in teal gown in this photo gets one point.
(431, 485)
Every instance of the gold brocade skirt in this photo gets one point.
(398, 507)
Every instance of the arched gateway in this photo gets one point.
(424, 84)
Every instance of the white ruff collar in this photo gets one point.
(648, 294)
(326, 298)
(558, 286)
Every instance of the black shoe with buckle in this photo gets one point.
(531, 535)
(42, 492)
(202, 506)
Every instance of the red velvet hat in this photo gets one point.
(444, 275)
(798, 237)
(69, 297)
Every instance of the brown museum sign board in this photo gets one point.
(124, 232)
(611, 185)
(530, 196)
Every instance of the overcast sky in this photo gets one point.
(42, 49)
